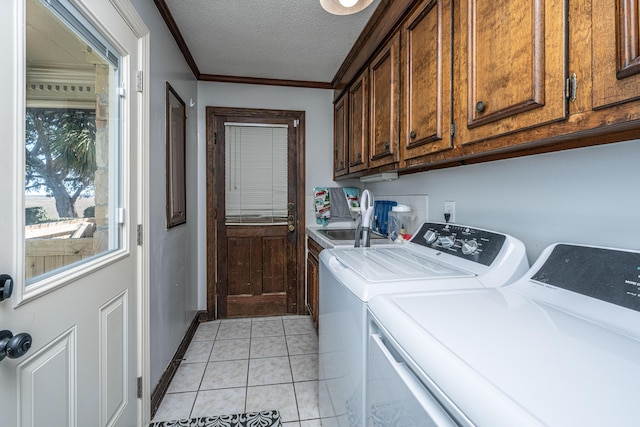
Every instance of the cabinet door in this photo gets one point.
(512, 60)
(383, 72)
(359, 123)
(616, 52)
(313, 279)
(427, 84)
(340, 136)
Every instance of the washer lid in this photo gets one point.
(395, 264)
(505, 359)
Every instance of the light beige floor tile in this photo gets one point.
(207, 331)
(198, 351)
(304, 367)
(226, 374)
(230, 350)
(298, 325)
(279, 396)
(271, 370)
(267, 328)
(302, 344)
(234, 330)
(187, 377)
(233, 346)
(307, 399)
(237, 320)
(265, 318)
(175, 406)
(227, 401)
(268, 347)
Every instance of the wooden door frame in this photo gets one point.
(295, 297)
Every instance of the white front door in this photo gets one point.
(80, 306)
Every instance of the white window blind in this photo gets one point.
(256, 173)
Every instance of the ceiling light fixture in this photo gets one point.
(344, 7)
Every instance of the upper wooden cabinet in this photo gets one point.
(616, 52)
(511, 62)
(427, 59)
(482, 80)
(359, 123)
(340, 136)
(384, 100)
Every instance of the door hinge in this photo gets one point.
(571, 87)
(296, 123)
(215, 137)
(215, 214)
(139, 234)
(122, 93)
(453, 129)
(139, 81)
(139, 392)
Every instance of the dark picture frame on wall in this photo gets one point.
(176, 179)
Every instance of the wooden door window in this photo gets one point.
(255, 173)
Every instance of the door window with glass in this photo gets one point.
(256, 173)
(72, 141)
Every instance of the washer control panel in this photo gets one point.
(480, 246)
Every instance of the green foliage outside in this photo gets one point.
(61, 155)
(89, 212)
(36, 215)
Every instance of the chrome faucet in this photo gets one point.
(363, 230)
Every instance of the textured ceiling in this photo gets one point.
(273, 39)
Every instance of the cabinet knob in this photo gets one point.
(359, 155)
(413, 134)
(480, 106)
(386, 145)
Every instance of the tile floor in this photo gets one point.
(247, 365)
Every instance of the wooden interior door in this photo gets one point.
(257, 270)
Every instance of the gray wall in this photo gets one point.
(173, 258)
(318, 107)
(587, 195)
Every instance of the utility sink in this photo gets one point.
(344, 234)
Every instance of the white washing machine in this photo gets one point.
(559, 347)
(439, 256)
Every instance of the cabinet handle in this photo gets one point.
(413, 135)
(480, 106)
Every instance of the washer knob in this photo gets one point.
(430, 236)
(470, 247)
(447, 241)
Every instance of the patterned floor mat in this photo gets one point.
(251, 419)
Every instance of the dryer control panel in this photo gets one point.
(476, 245)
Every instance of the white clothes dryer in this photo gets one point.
(558, 347)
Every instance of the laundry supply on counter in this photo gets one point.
(335, 203)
